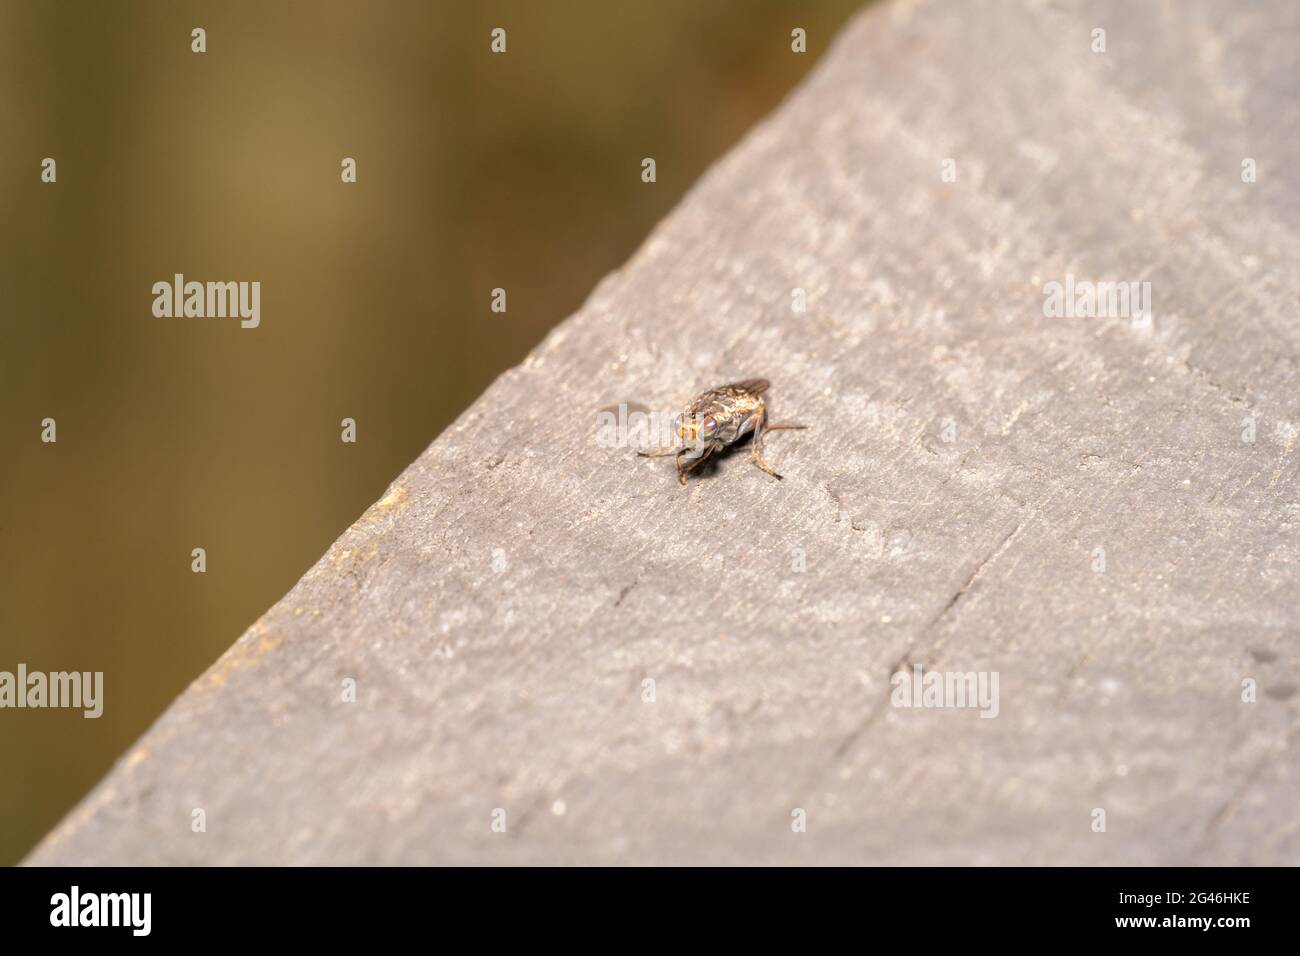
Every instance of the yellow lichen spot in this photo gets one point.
(396, 496)
(350, 560)
(243, 653)
(394, 500)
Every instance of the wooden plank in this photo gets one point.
(502, 607)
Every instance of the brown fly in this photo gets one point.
(718, 418)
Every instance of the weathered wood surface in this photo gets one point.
(513, 678)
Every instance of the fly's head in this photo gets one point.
(697, 427)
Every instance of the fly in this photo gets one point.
(718, 418)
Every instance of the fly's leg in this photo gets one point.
(660, 452)
(695, 458)
(756, 446)
(757, 454)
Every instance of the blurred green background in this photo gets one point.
(475, 171)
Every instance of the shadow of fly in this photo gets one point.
(718, 418)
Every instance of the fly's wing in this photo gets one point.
(755, 386)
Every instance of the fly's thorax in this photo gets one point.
(745, 406)
(722, 414)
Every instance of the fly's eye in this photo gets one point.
(709, 426)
